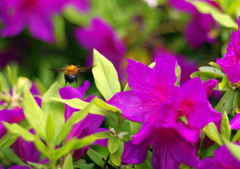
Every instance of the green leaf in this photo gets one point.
(75, 118)
(213, 64)
(80, 143)
(225, 126)
(68, 162)
(59, 27)
(34, 114)
(236, 102)
(211, 69)
(113, 143)
(126, 88)
(56, 108)
(212, 132)
(80, 104)
(223, 82)
(37, 165)
(9, 155)
(105, 76)
(226, 102)
(178, 74)
(75, 17)
(236, 136)
(135, 127)
(7, 140)
(116, 158)
(84, 165)
(205, 75)
(50, 128)
(96, 157)
(42, 147)
(4, 82)
(234, 149)
(20, 131)
(223, 19)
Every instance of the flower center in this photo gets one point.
(29, 5)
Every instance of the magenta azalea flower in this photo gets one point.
(187, 66)
(11, 116)
(101, 36)
(89, 125)
(222, 159)
(198, 30)
(162, 107)
(230, 63)
(26, 150)
(36, 15)
(235, 122)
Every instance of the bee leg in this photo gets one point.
(65, 83)
(76, 80)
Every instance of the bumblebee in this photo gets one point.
(71, 72)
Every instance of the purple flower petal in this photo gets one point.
(222, 159)
(209, 85)
(195, 105)
(19, 167)
(235, 122)
(230, 63)
(10, 116)
(26, 150)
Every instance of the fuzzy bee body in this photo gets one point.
(71, 72)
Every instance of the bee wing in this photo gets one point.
(84, 69)
(57, 69)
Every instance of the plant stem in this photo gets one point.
(53, 164)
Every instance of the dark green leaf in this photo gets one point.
(68, 162)
(84, 166)
(212, 132)
(96, 157)
(236, 102)
(105, 76)
(226, 102)
(11, 156)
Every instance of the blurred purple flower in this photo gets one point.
(36, 15)
(222, 159)
(26, 150)
(161, 107)
(198, 30)
(230, 63)
(89, 125)
(101, 36)
(11, 116)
